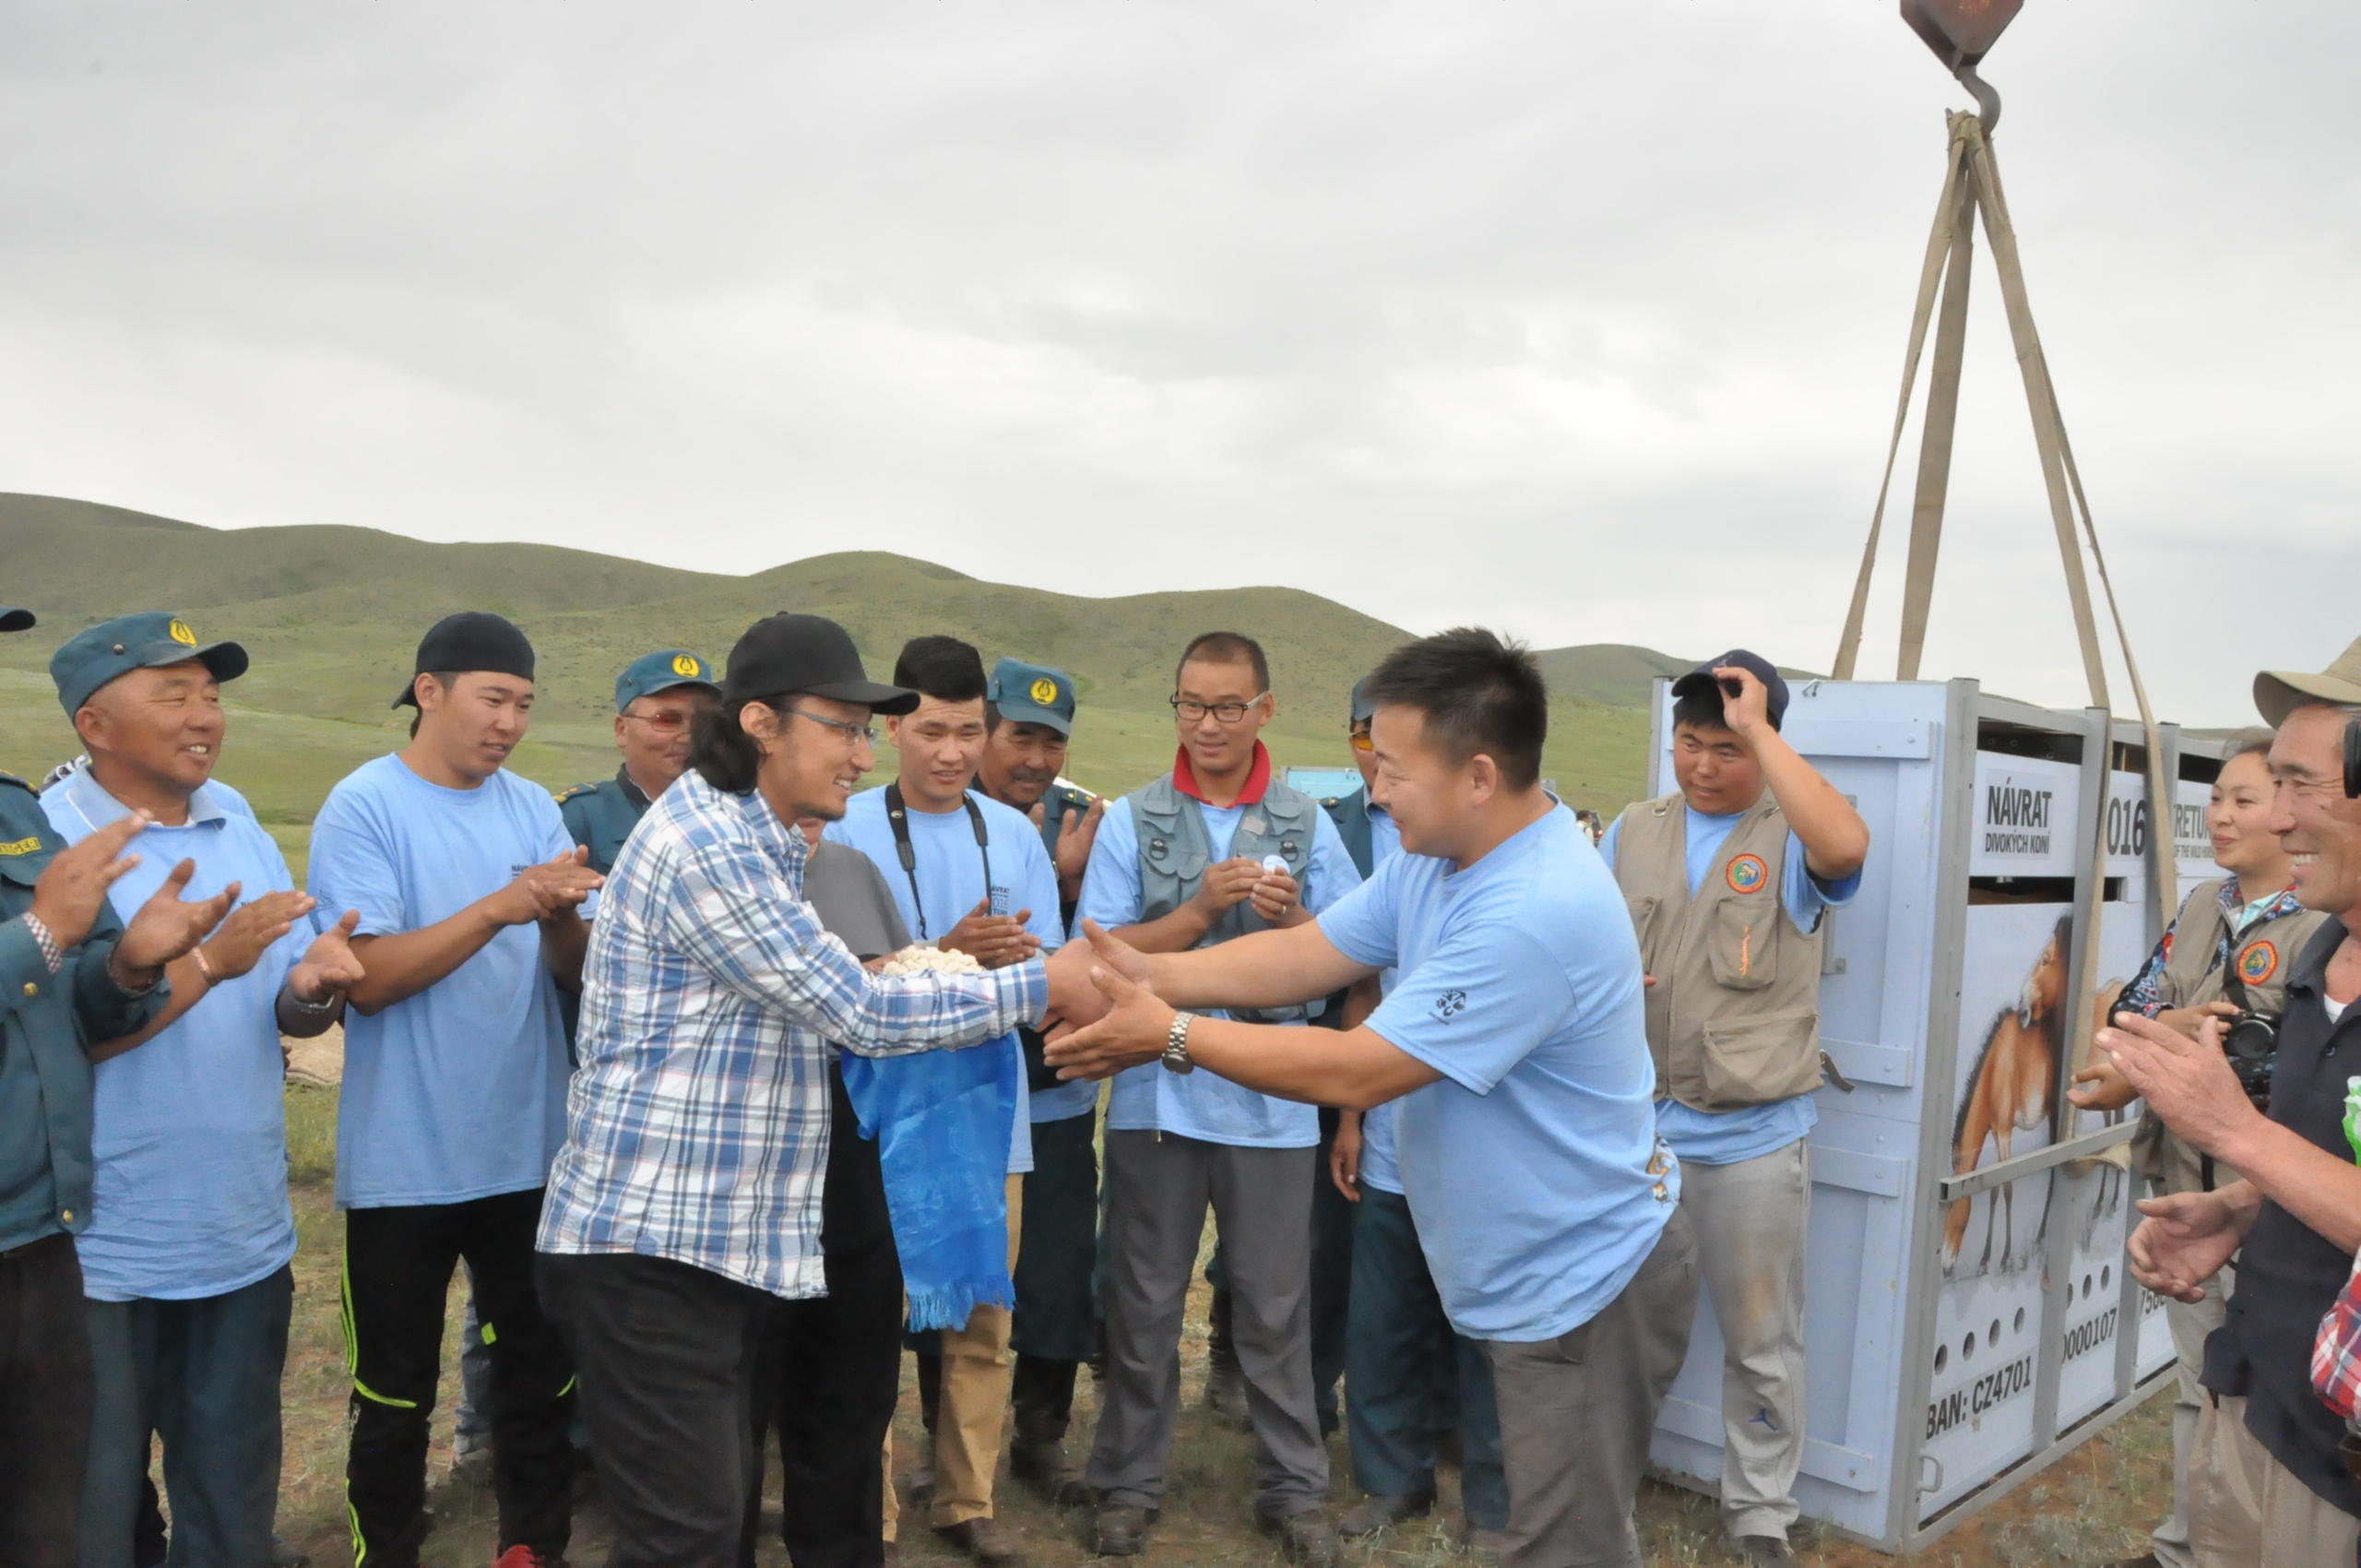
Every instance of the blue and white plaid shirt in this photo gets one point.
(697, 1124)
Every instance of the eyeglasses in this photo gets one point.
(1228, 712)
(853, 732)
(665, 723)
(1363, 741)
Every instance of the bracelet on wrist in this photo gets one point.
(203, 968)
(52, 955)
(324, 1005)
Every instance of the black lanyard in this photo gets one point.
(896, 815)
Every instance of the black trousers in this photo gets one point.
(45, 1396)
(667, 1351)
(398, 1266)
(829, 1371)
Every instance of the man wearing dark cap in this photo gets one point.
(186, 1264)
(657, 698)
(1726, 880)
(71, 971)
(1028, 720)
(688, 1196)
(1029, 716)
(468, 889)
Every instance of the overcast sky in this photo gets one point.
(1584, 320)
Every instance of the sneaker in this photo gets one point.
(980, 1540)
(521, 1556)
(1305, 1538)
(1119, 1530)
(1375, 1513)
(1766, 1551)
(1043, 1465)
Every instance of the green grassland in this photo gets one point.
(331, 615)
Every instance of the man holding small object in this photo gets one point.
(2266, 1484)
(1514, 1039)
(1186, 862)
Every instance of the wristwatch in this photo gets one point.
(1176, 1057)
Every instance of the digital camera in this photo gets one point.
(2250, 1041)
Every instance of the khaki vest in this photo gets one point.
(1175, 851)
(1734, 1016)
(2265, 954)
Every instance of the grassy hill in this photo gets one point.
(332, 614)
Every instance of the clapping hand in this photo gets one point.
(1075, 838)
(249, 931)
(2183, 1243)
(2187, 1082)
(541, 891)
(330, 967)
(73, 886)
(164, 927)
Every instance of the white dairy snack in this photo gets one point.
(1274, 863)
(920, 960)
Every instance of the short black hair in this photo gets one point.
(1478, 693)
(1226, 648)
(1700, 709)
(445, 679)
(721, 752)
(943, 668)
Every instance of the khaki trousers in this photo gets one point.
(1751, 1221)
(973, 1410)
(2246, 1510)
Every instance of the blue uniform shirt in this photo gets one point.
(45, 1022)
(1377, 1168)
(1725, 1137)
(950, 882)
(1533, 1168)
(189, 1131)
(459, 1091)
(1202, 1105)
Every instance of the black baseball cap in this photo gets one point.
(472, 639)
(1774, 685)
(805, 655)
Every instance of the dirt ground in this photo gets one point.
(2093, 1508)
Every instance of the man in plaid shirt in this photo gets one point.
(2268, 1487)
(688, 1194)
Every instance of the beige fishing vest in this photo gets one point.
(2264, 953)
(1734, 1016)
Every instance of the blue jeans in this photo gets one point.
(203, 1375)
(1396, 1341)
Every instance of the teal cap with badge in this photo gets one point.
(660, 671)
(146, 641)
(1032, 694)
(1363, 711)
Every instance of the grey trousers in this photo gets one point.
(1577, 1412)
(1157, 1188)
(1751, 1220)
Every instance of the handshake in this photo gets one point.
(1104, 1013)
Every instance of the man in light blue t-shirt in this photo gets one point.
(1216, 849)
(969, 875)
(468, 889)
(185, 1261)
(1726, 880)
(1545, 1204)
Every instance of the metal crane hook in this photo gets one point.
(1961, 33)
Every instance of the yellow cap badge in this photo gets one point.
(1045, 691)
(181, 634)
(686, 664)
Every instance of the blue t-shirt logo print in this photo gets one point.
(1449, 1003)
